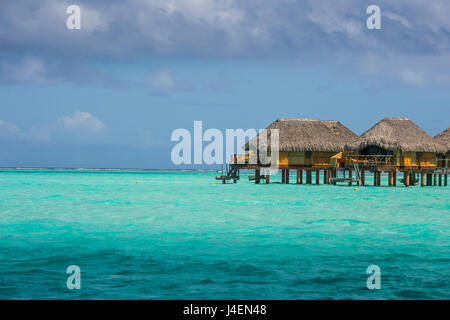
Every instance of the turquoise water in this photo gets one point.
(175, 235)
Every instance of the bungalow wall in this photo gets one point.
(442, 162)
(415, 159)
(304, 158)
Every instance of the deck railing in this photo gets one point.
(344, 159)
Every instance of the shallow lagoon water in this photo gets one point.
(181, 235)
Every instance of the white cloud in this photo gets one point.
(80, 127)
(82, 121)
(29, 69)
(162, 82)
(411, 77)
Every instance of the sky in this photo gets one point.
(110, 94)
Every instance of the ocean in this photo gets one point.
(182, 235)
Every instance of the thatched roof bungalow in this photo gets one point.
(306, 142)
(444, 139)
(411, 147)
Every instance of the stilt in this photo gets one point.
(394, 177)
(406, 178)
(350, 177)
(283, 176)
(445, 180)
(300, 176)
(422, 179)
(325, 176)
(267, 176)
(428, 180)
(375, 178)
(435, 180)
(334, 175)
(257, 176)
(440, 180)
(363, 177)
(308, 176)
(329, 174)
(317, 176)
(379, 178)
(391, 178)
(287, 176)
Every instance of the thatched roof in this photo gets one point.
(397, 134)
(298, 134)
(444, 138)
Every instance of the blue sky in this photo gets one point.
(110, 94)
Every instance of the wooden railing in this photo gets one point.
(344, 159)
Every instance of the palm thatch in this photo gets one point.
(444, 139)
(297, 134)
(397, 134)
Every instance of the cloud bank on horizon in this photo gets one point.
(412, 48)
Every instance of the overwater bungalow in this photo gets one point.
(397, 144)
(304, 144)
(443, 160)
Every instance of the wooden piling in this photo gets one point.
(257, 176)
(325, 176)
(379, 178)
(445, 180)
(317, 176)
(391, 179)
(440, 180)
(435, 180)
(283, 176)
(350, 173)
(422, 179)
(299, 176)
(267, 176)
(394, 177)
(406, 178)
(308, 176)
(363, 177)
(375, 180)
(287, 176)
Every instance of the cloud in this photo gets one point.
(162, 82)
(304, 31)
(29, 69)
(80, 127)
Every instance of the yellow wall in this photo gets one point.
(292, 158)
(416, 159)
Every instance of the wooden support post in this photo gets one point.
(375, 180)
(406, 178)
(267, 176)
(334, 175)
(394, 177)
(391, 178)
(379, 178)
(428, 180)
(363, 177)
(257, 176)
(350, 176)
(329, 174)
(299, 176)
(317, 176)
(422, 179)
(440, 180)
(283, 176)
(445, 180)
(287, 176)
(435, 180)
(325, 176)
(308, 176)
